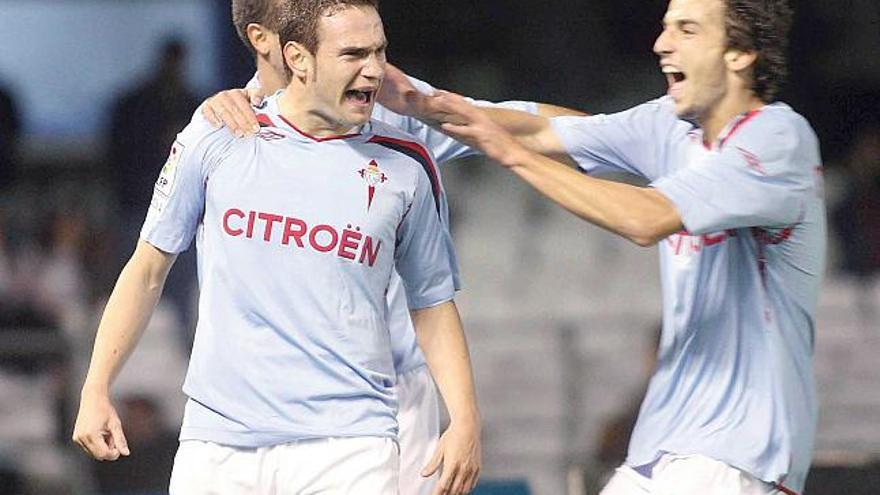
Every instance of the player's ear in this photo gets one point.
(261, 38)
(739, 60)
(298, 59)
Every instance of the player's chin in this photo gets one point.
(683, 109)
(358, 115)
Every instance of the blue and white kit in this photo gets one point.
(297, 240)
(734, 381)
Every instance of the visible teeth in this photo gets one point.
(361, 96)
(668, 69)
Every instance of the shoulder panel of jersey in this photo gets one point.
(401, 142)
(212, 142)
(771, 132)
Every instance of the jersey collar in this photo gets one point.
(729, 130)
(271, 106)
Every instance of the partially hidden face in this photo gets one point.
(349, 65)
(691, 50)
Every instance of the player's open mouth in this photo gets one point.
(360, 96)
(676, 80)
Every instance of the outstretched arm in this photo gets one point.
(441, 338)
(409, 106)
(98, 429)
(642, 215)
(401, 96)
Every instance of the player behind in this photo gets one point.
(291, 381)
(418, 412)
(735, 203)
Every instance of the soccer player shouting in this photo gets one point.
(735, 203)
(299, 229)
(418, 413)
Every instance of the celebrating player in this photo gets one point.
(735, 202)
(418, 414)
(291, 380)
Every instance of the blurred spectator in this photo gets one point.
(147, 470)
(10, 128)
(857, 220)
(857, 217)
(60, 287)
(11, 481)
(143, 126)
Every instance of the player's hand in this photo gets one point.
(459, 453)
(98, 429)
(471, 125)
(232, 108)
(398, 94)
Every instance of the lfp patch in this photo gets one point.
(165, 183)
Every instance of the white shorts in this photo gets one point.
(419, 419)
(688, 475)
(331, 466)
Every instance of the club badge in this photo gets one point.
(373, 177)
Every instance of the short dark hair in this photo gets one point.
(299, 19)
(264, 12)
(762, 26)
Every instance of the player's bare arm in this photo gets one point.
(441, 338)
(98, 429)
(233, 108)
(642, 215)
(549, 111)
(534, 131)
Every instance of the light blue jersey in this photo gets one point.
(297, 240)
(405, 350)
(734, 379)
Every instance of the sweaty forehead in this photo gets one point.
(358, 26)
(706, 12)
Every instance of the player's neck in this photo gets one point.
(297, 108)
(270, 80)
(732, 105)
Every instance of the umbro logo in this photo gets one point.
(270, 135)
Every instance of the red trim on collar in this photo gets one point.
(315, 138)
(749, 116)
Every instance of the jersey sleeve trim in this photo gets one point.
(420, 155)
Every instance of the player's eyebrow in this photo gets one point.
(362, 51)
(680, 23)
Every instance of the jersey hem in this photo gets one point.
(258, 439)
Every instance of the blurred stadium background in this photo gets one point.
(561, 317)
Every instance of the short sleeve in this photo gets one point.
(762, 177)
(632, 141)
(179, 193)
(424, 254)
(442, 146)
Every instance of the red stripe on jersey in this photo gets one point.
(418, 153)
(264, 120)
(432, 169)
(767, 238)
(784, 490)
(749, 116)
